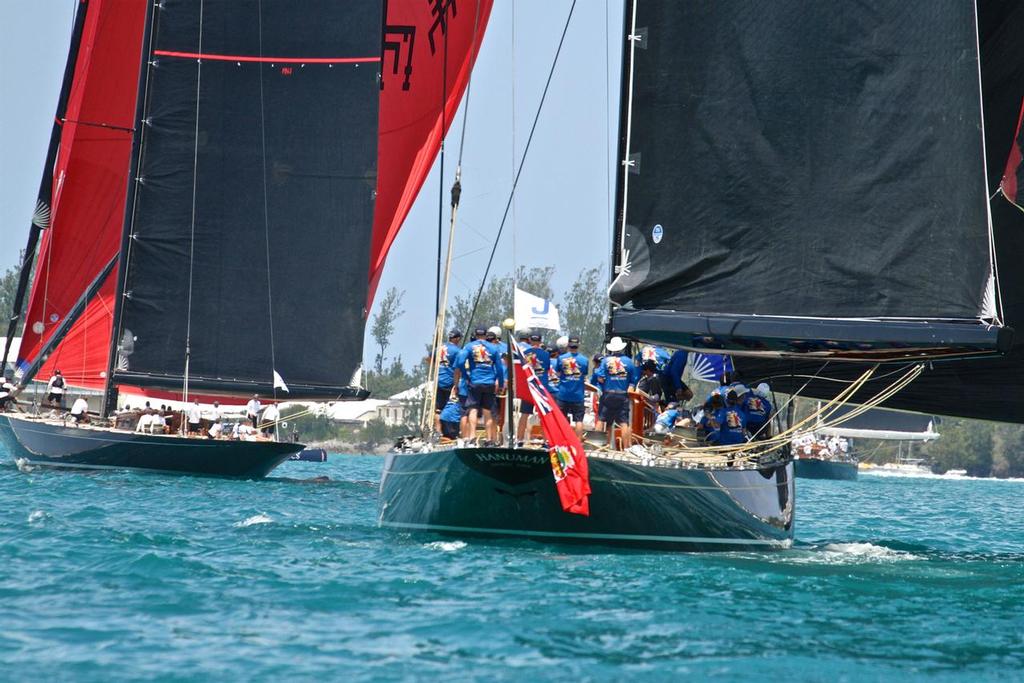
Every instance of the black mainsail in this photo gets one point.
(247, 236)
(983, 388)
(803, 178)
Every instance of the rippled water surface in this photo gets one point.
(117, 576)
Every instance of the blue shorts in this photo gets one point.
(481, 396)
(572, 409)
(614, 408)
(450, 430)
(525, 407)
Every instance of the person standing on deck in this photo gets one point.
(55, 390)
(448, 353)
(271, 416)
(540, 360)
(616, 376)
(486, 376)
(195, 417)
(571, 367)
(252, 410)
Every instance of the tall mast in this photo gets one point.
(129, 207)
(41, 215)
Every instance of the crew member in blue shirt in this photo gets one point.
(710, 426)
(733, 429)
(667, 420)
(658, 354)
(448, 353)
(672, 378)
(486, 375)
(450, 418)
(616, 376)
(759, 411)
(540, 360)
(571, 367)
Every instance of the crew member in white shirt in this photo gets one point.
(215, 417)
(55, 390)
(252, 410)
(270, 417)
(195, 417)
(80, 410)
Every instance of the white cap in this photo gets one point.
(616, 344)
(762, 390)
(495, 330)
(562, 342)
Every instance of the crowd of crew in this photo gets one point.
(472, 377)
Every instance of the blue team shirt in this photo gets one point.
(669, 417)
(673, 371)
(659, 354)
(616, 373)
(711, 426)
(540, 360)
(452, 412)
(483, 365)
(733, 425)
(446, 368)
(572, 372)
(758, 410)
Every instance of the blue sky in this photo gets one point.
(562, 211)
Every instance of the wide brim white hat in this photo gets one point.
(616, 344)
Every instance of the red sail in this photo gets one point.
(416, 34)
(82, 354)
(1013, 179)
(89, 180)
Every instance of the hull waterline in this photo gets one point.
(45, 444)
(495, 492)
(816, 468)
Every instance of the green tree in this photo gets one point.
(1008, 451)
(384, 323)
(964, 444)
(585, 308)
(8, 288)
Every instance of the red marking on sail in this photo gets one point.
(90, 175)
(568, 460)
(411, 125)
(1013, 178)
(266, 60)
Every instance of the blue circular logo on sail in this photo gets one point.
(657, 233)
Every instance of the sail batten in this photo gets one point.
(800, 160)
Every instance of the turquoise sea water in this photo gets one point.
(119, 576)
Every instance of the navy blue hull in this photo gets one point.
(510, 492)
(50, 445)
(816, 468)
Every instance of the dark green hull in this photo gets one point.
(48, 445)
(815, 468)
(492, 492)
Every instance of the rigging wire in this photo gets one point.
(519, 171)
(512, 159)
(440, 174)
(266, 213)
(192, 233)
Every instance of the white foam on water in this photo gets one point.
(255, 519)
(23, 465)
(446, 546)
(865, 552)
(36, 516)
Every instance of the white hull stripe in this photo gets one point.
(596, 536)
(695, 487)
(79, 466)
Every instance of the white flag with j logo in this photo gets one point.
(534, 312)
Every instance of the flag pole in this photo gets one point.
(510, 387)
